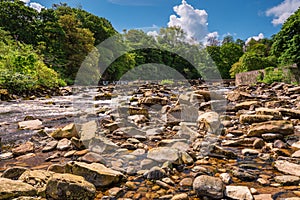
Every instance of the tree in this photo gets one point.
(79, 42)
(19, 19)
(286, 46)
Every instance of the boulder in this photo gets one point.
(95, 173)
(283, 127)
(238, 192)
(211, 187)
(11, 188)
(38, 179)
(68, 186)
(210, 121)
(68, 132)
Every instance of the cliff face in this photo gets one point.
(248, 78)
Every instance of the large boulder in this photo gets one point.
(211, 187)
(11, 188)
(95, 173)
(210, 121)
(68, 186)
(68, 132)
(282, 127)
(38, 179)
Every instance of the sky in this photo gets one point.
(200, 19)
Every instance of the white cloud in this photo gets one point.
(256, 38)
(26, 1)
(192, 21)
(211, 39)
(152, 33)
(36, 6)
(33, 5)
(282, 11)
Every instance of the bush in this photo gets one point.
(22, 69)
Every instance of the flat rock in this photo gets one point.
(28, 147)
(287, 167)
(208, 186)
(268, 111)
(30, 124)
(263, 197)
(250, 119)
(246, 105)
(287, 180)
(282, 127)
(163, 154)
(68, 186)
(95, 173)
(92, 157)
(11, 188)
(238, 192)
(50, 146)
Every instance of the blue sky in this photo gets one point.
(239, 18)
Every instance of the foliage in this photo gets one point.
(167, 82)
(22, 69)
(271, 75)
(286, 46)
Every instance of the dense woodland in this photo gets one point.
(46, 49)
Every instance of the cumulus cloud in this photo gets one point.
(256, 38)
(211, 39)
(34, 5)
(192, 21)
(26, 1)
(282, 11)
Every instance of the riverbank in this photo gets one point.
(154, 141)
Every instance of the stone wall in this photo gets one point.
(248, 78)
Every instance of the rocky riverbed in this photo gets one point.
(152, 141)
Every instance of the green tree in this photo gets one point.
(19, 19)
(286, 46)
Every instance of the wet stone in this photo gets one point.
(50, 146)
(28, 147)
(208, 186)
(64, 144)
